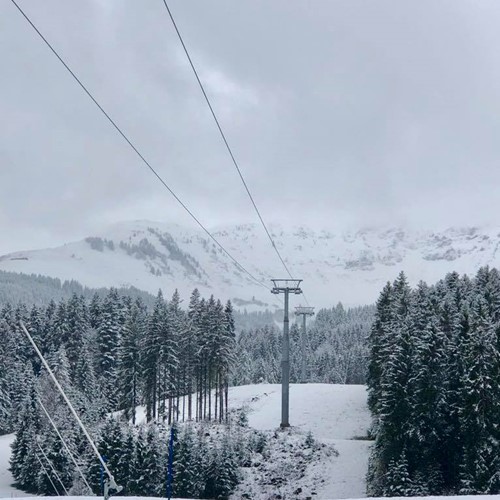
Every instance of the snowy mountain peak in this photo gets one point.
(350, 266)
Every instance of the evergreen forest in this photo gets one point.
(434, 392)
(133, 370)
(112, 355)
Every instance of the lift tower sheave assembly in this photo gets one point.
(286, 286)
(304, 312)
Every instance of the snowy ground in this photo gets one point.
(6, 490)
(464, 497)
(334, 414)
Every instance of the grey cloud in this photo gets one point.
(348, 112)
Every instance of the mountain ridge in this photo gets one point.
(348, 266)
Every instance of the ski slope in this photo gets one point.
(6, 490)
(334, 414)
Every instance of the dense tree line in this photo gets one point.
(336, 349)
(434, 388)
(206, 460)
(35, 289)
(111, 354)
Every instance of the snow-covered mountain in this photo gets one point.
(350, 266)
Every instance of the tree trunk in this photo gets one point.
(209, 391)
(226, 394)
(216, 394)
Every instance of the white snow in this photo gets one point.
(348, 266)
(6, 490)
(462, 497)
(334, 414)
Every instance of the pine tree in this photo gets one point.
(175, 349)
(53, 449)
(125, 469)
(108, 338)
(24, 463)
(153, 469)
(111, 446)
(397, 480)
(189, 346)
(186, 466)
(378, 346)
(95, 312)
(394, 403)
(151, 356)
(227, 357)
(222, 471)
(129, 368)
(427, 393)
(480, 410)
(5, 401)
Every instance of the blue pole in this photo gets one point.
(170, 468)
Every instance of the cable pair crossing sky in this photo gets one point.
(152, 169)
(226, 143)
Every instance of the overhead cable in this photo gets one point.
(229, 150)
(135, 149)
(226, 143)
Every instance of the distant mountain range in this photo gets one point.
(350, 267)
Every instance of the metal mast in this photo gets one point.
(285, 286)
(304, 312)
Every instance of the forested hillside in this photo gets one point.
(434, 388)
(111, 354)
(34, 289)
(37, 290)
(336, 349)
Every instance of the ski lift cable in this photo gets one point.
(51, 465)
(136, 150)
(47, 474)
(66, 447)
(226, 143)
(68, 402)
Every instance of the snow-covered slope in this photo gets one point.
(334, 414)
(6, 490)
(348, 266)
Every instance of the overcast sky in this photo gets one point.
(340, 112)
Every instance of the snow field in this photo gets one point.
(352, 265)
(6, 490)
(333, 414)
